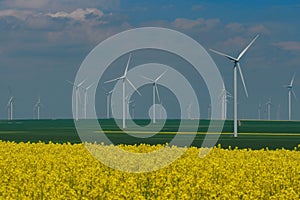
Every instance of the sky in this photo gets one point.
(44, 42)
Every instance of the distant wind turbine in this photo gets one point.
(268, 104)
(278, 113)
(290, 91)
(235, 66)
(108, 101)
(209, 111)
(259, 111)
(37, 107)
(77, 97)
(129, 103)
(189, 111)
(224, 95)
(154, 91)
(124, 79)
(10, 105)
(85, 89)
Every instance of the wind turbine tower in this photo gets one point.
(235, 67)
(259, 111)
(290, 91)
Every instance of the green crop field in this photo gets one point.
(252, 134)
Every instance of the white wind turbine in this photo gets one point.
(37, 107)
(268, 104)
(278, 112)
(235, 66)
(189, 111)
(154, 92)
(108, 101)
(77, 97)
(290, 91)
(124, 78)
(10, 105)
(209, 111)
(224, 95)
(85, 89)
(128, 103)
(259, 111)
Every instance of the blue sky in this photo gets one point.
(43, 42)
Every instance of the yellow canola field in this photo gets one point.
(65, 171)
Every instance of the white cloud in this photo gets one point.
(22, 15)
(200, 23)
(235, 27)
(288, 45)
(78, 14)
(55, 5)
(258, 29)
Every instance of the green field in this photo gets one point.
(252, 134)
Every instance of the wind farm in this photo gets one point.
(236, 131)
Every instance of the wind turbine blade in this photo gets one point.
(242, 77)
(133, 87)
(156, 89)
(223, 54)
(70, 82)
(115, 79)
(126, 69)
(80, 84)
(90, 86)
(294, 95)
(160, 76)
(244, 51)
(111, 91)
(292, 81)
(149, 79)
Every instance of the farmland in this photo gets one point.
(253, 134)
(66, 171)
(45, 159)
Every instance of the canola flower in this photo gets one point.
(66, 171)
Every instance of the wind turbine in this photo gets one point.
(269, 109)
(224, 95)
(10, 105)
(124, 78)
(235, 66)
(189, 111)
(37, 107)
(209, 111)
(154, 91)
(128, 103)
(290, 91)
(278, 113)
(108, 97)
(85, 89)
(77, 96)
(259, 111)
